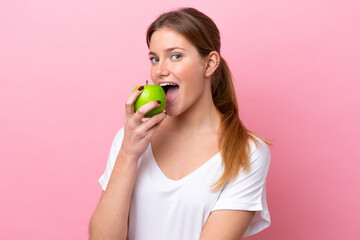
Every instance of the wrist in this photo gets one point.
(126, 157)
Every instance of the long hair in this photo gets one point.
(233, 137)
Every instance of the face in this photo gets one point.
(175, 60)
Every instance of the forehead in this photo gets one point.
(165, 38)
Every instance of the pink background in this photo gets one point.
(66, 68)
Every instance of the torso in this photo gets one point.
(178, 156)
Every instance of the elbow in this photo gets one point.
(98, 231)
(94, 234)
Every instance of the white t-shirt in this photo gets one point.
(163, 209)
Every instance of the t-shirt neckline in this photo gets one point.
(165, 178)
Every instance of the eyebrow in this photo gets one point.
(168, 50)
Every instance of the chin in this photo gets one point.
(173, 111)
(170, 113)
(176, 112)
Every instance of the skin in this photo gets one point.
(191, 116)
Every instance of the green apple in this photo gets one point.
(151, 93)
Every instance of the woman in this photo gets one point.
(194, 171)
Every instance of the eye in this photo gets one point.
(176, 56)
(154, 59)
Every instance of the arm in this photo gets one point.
(110, 219)
(226, 225)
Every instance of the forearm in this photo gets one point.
(110, 219)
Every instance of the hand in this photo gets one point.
(138, 134)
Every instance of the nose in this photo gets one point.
(162, 69)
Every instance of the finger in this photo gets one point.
(152, 130)
(152, 122)
(129, 104)
(140, 113)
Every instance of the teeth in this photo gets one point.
(167, 84)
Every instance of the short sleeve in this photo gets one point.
(114, 150)
(248, 190)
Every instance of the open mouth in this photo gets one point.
(171, 91)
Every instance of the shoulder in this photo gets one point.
(260, 155)
(114, 150)
(246, 190)
(259, 149)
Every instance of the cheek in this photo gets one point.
(152, 73)
(189, 72)
(192, 78)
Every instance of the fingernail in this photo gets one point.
(159, 102)
(140, 88)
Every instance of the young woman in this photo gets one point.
(194, 172)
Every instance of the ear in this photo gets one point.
(212, 63)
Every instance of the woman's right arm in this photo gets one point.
(110, 218)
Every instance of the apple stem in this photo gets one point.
(147, 82)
